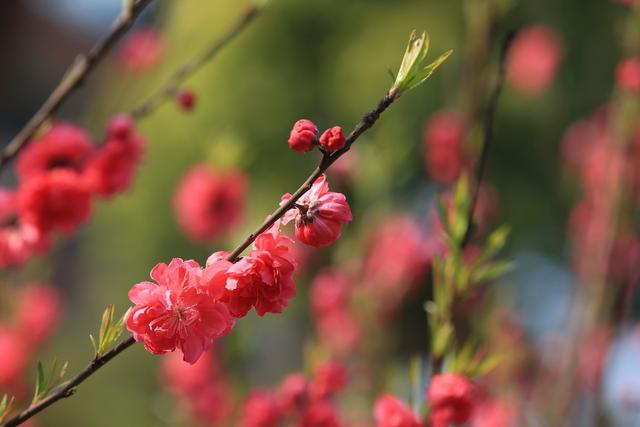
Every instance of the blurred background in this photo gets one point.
(325, 60)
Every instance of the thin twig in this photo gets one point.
(172, 86)
(70, 387)
(73, 79)
(489, 123)
(327, 160)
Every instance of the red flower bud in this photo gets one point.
(120, 126)
(303, 135)
(332, 139)
(186, 99)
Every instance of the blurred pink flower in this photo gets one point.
(397, 256)
(319, 214)
(177, 311)
(112, 166)
(444, 136)
(260, 409)
(339, 331)
(329, 378)
(628, 75)
(533, 59)
(292, 393)
(493, 413)
(58, 200)
(208, 203)
(199, 387)
(15, 356)
(451, 398)
(19, 241)
(37, 312)
(142, 50)
(329, 291)
(63, 146)
(320, 414)
(389, 411)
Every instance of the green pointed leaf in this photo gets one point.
(487, 364)
(411, 72)
(491, 271)
(5, 406)
(93, 343)
(427, 71)
(41, 383)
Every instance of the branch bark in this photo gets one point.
(72, 80)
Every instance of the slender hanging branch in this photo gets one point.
(172, 85)
(73, 79)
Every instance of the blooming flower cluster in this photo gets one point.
(59, 173)
(208, 203)
(300, 401)
(35, 315)
(187, 307)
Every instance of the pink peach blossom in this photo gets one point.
(319, 214)
(177, 311)
(263, 279)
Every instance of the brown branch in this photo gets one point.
(172, 85)
(72, 80)
(69, 388)
(327, 160)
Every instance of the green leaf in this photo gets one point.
(496, 241)
(41, 384)
(491, 271)
(110, 331)
(442, 339)
(486, 365)
(426, 72)
(412, 72)
(393, 76)
(5, 406)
